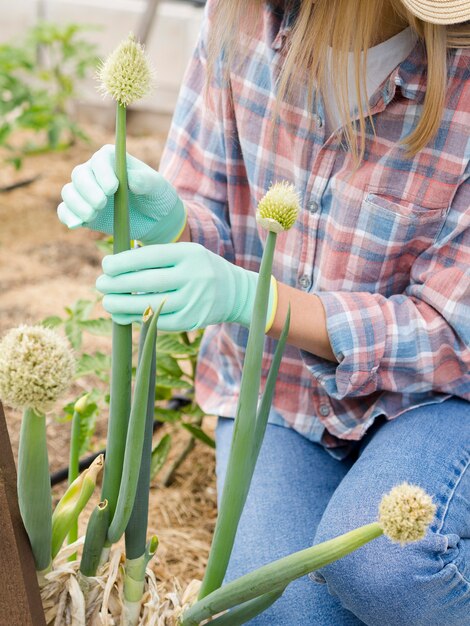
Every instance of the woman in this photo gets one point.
(376, 270)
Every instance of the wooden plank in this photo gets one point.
(20, 601)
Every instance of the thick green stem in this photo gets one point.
(241, 462)
(277, 575)
(269, 389)
(136, 531)
(74, 448)
(135, 571)
(248, 610)
(121, 233)
(135, 438)
(134, 583)
(121, 367)
(34, 487)
(94, 539)
(73, 472)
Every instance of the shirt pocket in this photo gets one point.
(390, 234)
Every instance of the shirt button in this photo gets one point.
(304, 281)
(324, 410)
(319, 121)
(313, 207)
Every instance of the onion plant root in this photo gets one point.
(68, 598)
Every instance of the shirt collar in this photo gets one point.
(409, 76)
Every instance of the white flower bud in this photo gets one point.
(126, 74)
(279, 208)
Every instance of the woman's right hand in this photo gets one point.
(156, 212)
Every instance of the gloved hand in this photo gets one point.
(198, 286)
(157, 214)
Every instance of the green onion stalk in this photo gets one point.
(74, 459)
(126, 76)
(34, 489)
(138, 552)
(95, 537)
(276, 212)
(134, 579)
(121, 366)
(121, 360)
(135, 435)
(404, 516)
(36, 367)
(247, 610)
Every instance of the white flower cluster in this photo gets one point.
(36, 367)
(126, 74)
(278, 209)
(405, 513)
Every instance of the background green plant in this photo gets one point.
(38, 78)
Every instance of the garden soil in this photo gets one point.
(44, 267)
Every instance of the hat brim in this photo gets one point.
(440, 11)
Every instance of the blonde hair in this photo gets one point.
(345, 26)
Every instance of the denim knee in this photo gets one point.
(426, 583)
(421, 584)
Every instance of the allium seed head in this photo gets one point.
(36, 367)
(279, 207)
(405, 513)
(126, 74)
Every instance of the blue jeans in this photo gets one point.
(300, 495)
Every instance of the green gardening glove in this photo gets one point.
(157, 214)
(199, 287)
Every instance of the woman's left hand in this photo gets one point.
(199, 287)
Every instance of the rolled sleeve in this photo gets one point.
(357, 331)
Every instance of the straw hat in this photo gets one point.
(440, 11)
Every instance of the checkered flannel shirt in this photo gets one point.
(386, 247)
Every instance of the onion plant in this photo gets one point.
(276, 212)
(404, 516)
(126, 77)
(36, 366)
(131, 511)
(134, 445)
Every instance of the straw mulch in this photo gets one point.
(68, 598)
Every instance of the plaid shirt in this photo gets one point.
(386, 248)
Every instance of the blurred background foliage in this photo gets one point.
(39, 77)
